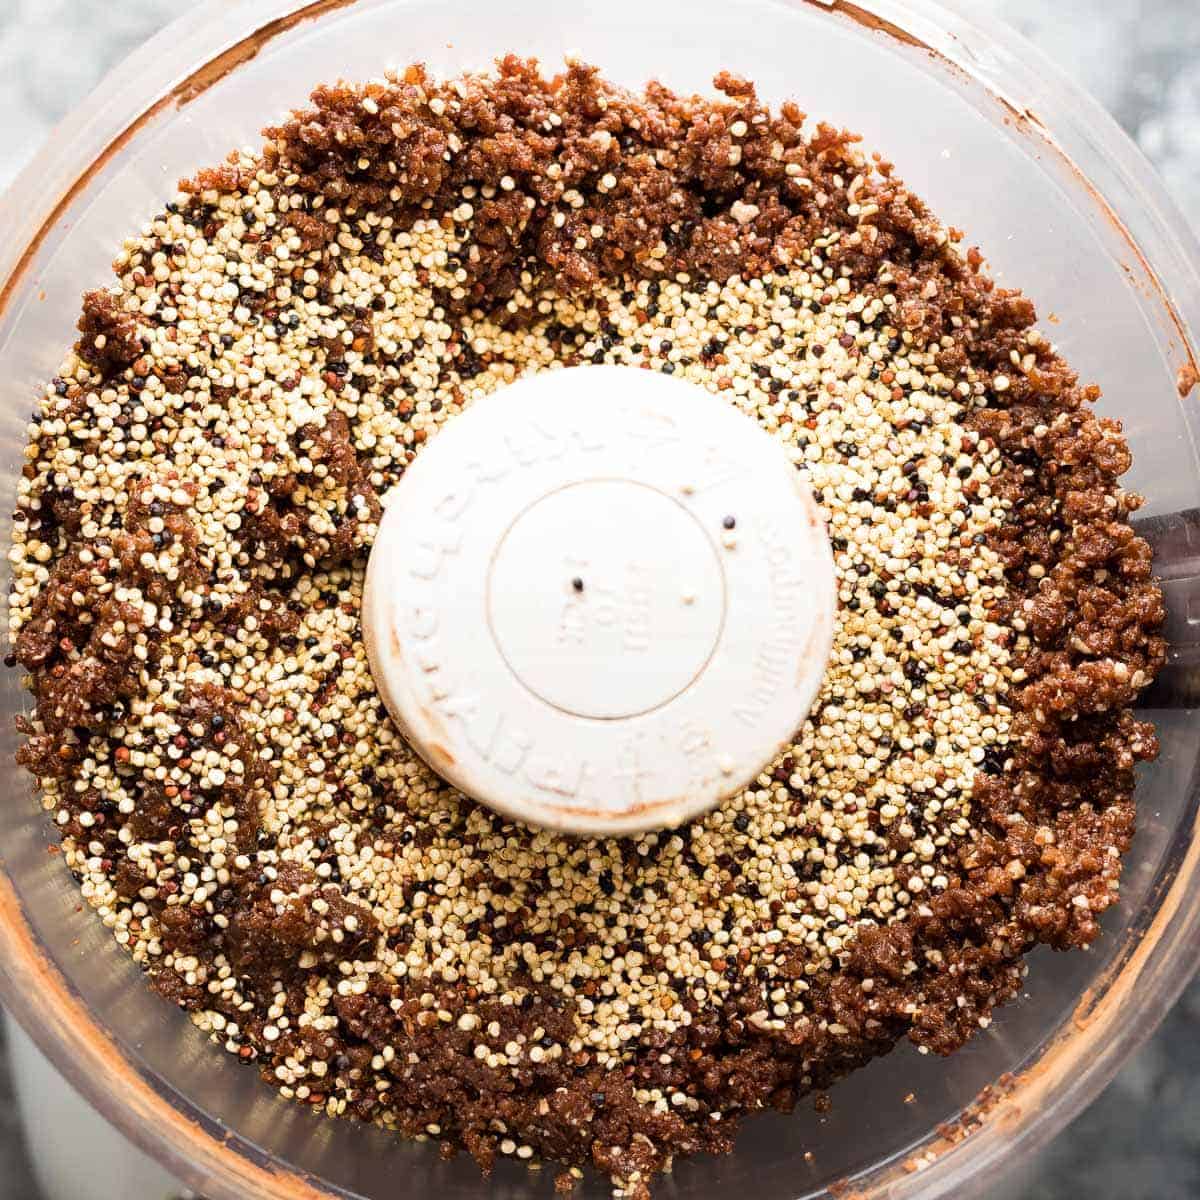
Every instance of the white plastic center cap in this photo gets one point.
(621, 555)
(601, 600)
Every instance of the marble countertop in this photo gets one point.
(1141, 58)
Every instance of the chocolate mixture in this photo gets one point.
(202, 487)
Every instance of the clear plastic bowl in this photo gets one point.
(1002, 146)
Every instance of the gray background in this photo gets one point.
(1141, 58)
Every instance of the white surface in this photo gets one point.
(601, 600)
(74, 1152)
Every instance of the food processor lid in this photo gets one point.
(601, 600)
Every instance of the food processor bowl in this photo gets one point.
(985, 129)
